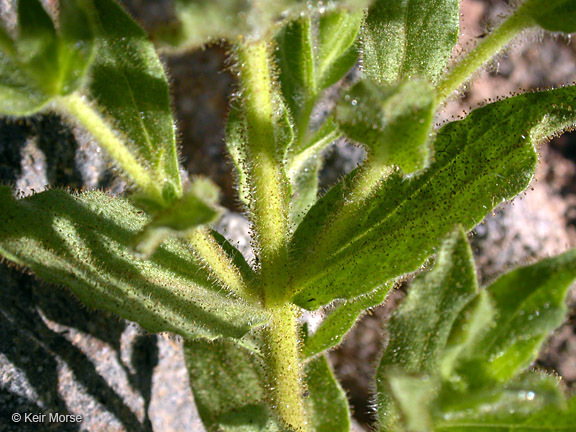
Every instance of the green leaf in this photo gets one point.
(200, 22)
(43, 62)
(83, 242)
(326, 402)
(479, 161)
(409, 38)
(393, 122)
(228, 385)
(553, 15)
(198, 206)
(315, 52)
(38, 45)
(420, 330)
(228, 381)
(529, 303)
(340, 321)
(303, 166)
(133, 92)
(549, 419)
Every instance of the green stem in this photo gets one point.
(484, 52)
(82, 111)
(284, 369)
(269, 207)
(220, 264)
(265, 174)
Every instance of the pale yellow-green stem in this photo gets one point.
(220, 264)
(269, 207)
(269, 185)
(84, 113)
(283, 367)
(518, 21)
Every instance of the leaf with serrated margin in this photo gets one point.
(394, 122)
(479, 161)
(130, 87)
(420, 329)
(529, 303)
(83, 242)
(409, 38)
(326, 402)
(228, 382)
(552, 15)
(340, 321)
(552, 418)
(43, 61)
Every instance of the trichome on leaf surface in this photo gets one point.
(459, 355)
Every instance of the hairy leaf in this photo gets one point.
(338, 323)
(420, 329)
(409, 38)
(549, 419)
(130, 87)
(529, 303)
(228, 381)
(198, 206)
(479, 161)
(228, 384)
(326, 402)
(84, 241)
(43, 62)
(200, 21)
(393, 122)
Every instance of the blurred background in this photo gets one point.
(55, 355)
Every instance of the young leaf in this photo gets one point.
(133, 92)
(405, 39)
(83, 242)
(530, 303)
(43, 62)
(314, 53)
(479, 161)
(553, 15)
(326, 404)
(393, 122)
(198, 206)
(339, 321)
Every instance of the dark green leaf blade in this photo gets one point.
(84, 243)
(479, 161)
(326, 403)
(228, 385)
(405, 39)
(553, 15)
(133, 91)
(530, 303)
(338, 323)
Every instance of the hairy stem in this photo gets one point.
(484, 52)
(220, 265)
(266, 176)
(284, 368)
(84, 113)
(269, 207)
